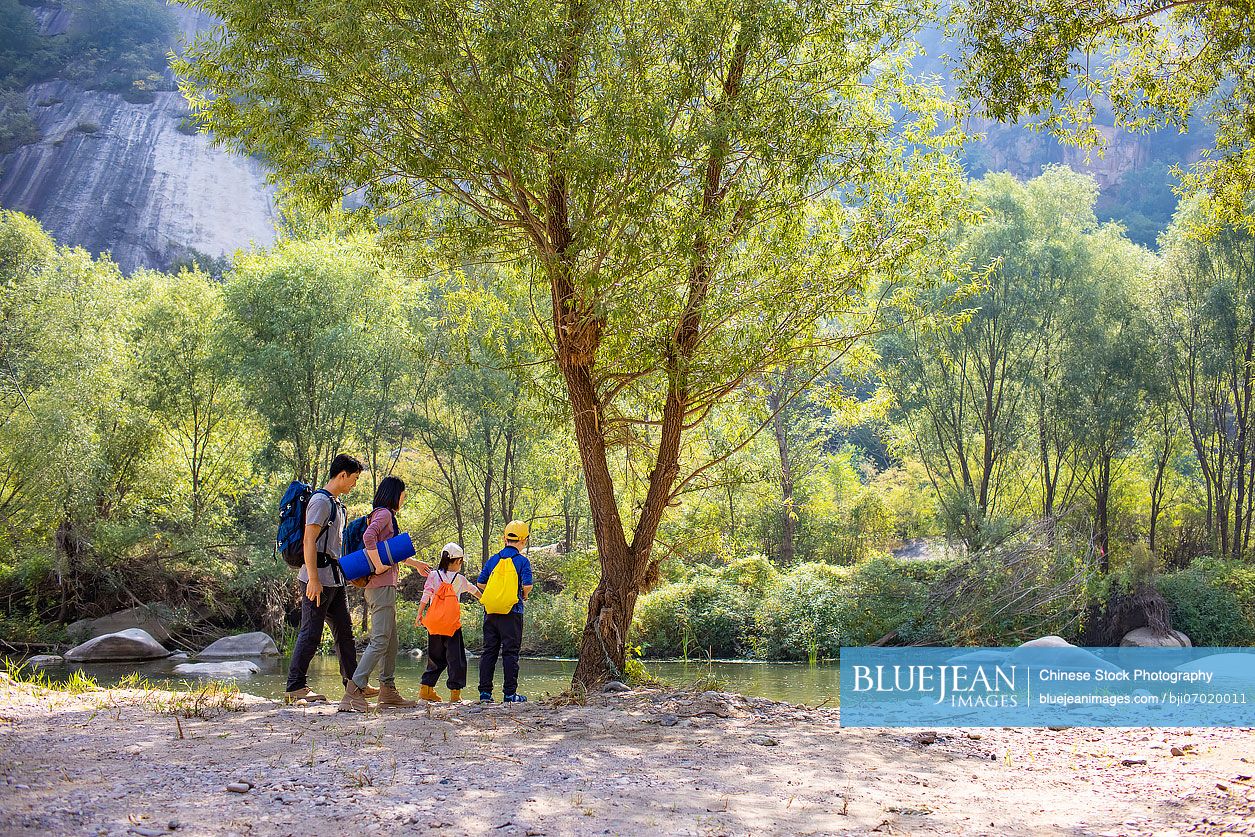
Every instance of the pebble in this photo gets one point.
(1177, 751)
(764, 741)
(239, 787)
(616, 686)
(134, 750)
(975, 736)
(926, 737)
(668, 720)
(1132, 762)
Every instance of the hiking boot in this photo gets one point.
(455, 696)
(370, 692)
(303, 696)
(514, 699)
(354, 700)
(428, 693)
(389, 697)
(485, 697)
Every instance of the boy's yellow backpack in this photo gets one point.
(501, 593)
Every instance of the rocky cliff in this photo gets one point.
(108, 174)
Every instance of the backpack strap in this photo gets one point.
(326, 530)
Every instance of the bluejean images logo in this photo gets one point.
(957, 685)
(1047, 686)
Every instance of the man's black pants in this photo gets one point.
(333, 607)
(503, 634)
(442, 652)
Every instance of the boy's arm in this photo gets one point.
(525, 576)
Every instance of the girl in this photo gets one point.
(441, 614)
(381, 599)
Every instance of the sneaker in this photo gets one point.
(515, 699)
(302, 696)
(354, 700)
(485, 697)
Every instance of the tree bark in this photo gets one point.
(779, 424)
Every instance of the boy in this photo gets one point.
(506, 580)
(323, 598)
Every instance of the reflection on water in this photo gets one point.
(792, 682)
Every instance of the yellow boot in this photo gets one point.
(428, 693)
(455, 696)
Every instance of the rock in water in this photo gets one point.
(1051, 641)
(1235, 667)
(41, 660)
(1146, 638)
(154, 619)
(1063, 655)
(226, 668)
(255, 644)
(133, 644)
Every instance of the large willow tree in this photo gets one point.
(698, 192)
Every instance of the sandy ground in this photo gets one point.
(646, 762)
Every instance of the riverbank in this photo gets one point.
(646, 762)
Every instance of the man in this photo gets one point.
(506, 580)
(323, 597)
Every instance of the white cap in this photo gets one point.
(453, 551)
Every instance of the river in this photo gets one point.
(791, 682)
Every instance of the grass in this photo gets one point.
(76, 684)
(200, 702)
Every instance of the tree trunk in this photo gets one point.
(788, 517)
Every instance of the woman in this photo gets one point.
(381, 599)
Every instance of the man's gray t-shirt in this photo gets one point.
(321, 509)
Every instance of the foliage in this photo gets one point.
(1212, 602)
(1154, 64)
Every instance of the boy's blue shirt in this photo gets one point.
(521, 565)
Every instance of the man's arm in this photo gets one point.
(309, 545)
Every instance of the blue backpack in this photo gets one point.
(292, 508)
(354, 532)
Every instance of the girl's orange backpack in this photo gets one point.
(444, 614)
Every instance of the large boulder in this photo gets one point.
(1146, 638)
(1236, 667)
(255, 644)
(1063, 655)
(226, 668)
(133, 644)
(153, 619)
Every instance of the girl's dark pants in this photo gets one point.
(332, 607)
(446, 652)
(503, 634)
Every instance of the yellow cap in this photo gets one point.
(516, 531)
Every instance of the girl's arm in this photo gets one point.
(422, 608)
(473, 590)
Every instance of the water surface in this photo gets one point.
(792, 682)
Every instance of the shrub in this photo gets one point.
(1212, 602)
(553, 624)
(704, 615)
(802, 615)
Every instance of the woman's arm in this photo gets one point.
(423, 569)
(376, 530)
